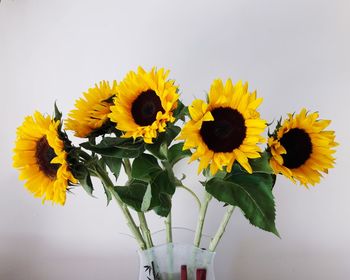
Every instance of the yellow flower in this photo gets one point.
(40, 157)
(92, 111)
(301, 148)
(144, 104)
(226, 129)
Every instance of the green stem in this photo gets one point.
(217, 237)
(145, 230)
(201, 218)
(102, 174)
(168, 228)
(192, 193)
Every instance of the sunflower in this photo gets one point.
(92, 111)
(40, 157)
(225, 129)
(301, 149)
(144, 104)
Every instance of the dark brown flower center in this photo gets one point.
(145, 108)
(44, 154)
(298, 146)
(226, 132)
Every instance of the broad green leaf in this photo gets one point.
(252, 193)
(162, 183)
(176, 153)
(164, 207)
(163, 187)
(146, 201)
(133, 194)
(144, 167)
(114, 164)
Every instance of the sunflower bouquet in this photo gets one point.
(140, 126)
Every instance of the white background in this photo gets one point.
(295, 53)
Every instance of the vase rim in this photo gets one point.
(177, 244)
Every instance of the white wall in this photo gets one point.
(294, 52)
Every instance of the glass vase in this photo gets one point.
(176, 261)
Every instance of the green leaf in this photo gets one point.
(114, 164)
(108, 194)
(252, 193)
(162, 183)
(164, 207)
(158, 149)
(262, 164)
(147, 198)
(133, 194)
(163, 187)
(171, 132)
(176, 153)
(116, 147)
(82, 174)
(181, 111)
(160, 145)
(144, 167)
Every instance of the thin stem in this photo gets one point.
(201, 218)
(168, 228)
(192, 193)
(102, 174)
(217, 237)
(145, 230)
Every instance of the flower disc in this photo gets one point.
(301, 148)
(91, 112)
(225, 129)
(144, 104)
(40, 157)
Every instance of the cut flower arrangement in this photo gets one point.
(140, 126)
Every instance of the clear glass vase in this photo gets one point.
(176, 261)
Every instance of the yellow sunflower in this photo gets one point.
(226, 129)
(144, 104)
(92, 111)
(301, 149)
(40, 157)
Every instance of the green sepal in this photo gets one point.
(116, 147)
(58, 113)
(176, 153)
(145, 167)
(251, 193)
